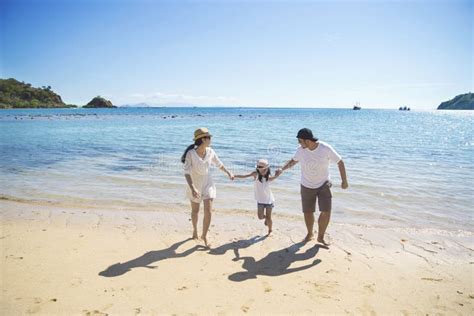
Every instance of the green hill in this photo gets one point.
(16, 94)
(99, 102)
(460, 102)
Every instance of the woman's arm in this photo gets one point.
(188, 166)
(217, 162)
(191, 186)
(229, 174)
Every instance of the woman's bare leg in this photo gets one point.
(194, 218)
(207, 220)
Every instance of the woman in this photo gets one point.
(197, 159)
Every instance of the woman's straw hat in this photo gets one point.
(200, 133)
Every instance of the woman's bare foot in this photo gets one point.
(206, 242)
(308, 237)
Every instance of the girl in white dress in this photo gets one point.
(263, 193)
(197, 159)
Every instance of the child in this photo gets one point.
(263, 193)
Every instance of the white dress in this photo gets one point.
(199, 170)
(263, 193)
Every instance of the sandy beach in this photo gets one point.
(73, 261)
(118, 117)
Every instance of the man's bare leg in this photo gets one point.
(323, 222)
(309, 221)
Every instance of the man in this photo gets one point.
(315, 157)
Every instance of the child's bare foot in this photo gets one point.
(206, 242)
(308, 237)
(195, 236)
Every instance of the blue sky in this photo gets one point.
(383, 54)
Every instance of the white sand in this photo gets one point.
(58, 261)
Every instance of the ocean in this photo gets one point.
(405, 169)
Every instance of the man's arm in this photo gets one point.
(277, 174)
(289, 164)
(342, 171)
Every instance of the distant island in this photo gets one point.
(16, 94)
(99, 102)
(460, 102)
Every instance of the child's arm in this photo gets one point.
(277, 174)
(243, 176)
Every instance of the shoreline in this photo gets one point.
(59, 260)
(183, 207)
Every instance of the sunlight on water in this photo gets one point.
(405, 168)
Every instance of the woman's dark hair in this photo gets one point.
(196, 143)
(265, 176)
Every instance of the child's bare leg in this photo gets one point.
(194, 218)
(260, 212)
(268, 219)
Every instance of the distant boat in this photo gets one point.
(404, 108)
(357, 107)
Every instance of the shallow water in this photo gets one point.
(405, 169)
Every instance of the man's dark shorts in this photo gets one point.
(322, 195)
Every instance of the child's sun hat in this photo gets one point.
(262, 164)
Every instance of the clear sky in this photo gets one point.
(383, 54)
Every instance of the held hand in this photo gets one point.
(278, 172)
(196, 194)
(344, 185)
(231, 176)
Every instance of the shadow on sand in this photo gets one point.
(276, 263)
(148, 258)
(236, 245)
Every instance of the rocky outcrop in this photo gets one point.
(99, 102)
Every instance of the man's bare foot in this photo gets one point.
(308, 237)
(322, 241)
(269, 232)
(206, 242)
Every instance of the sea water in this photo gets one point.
(405, 169)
